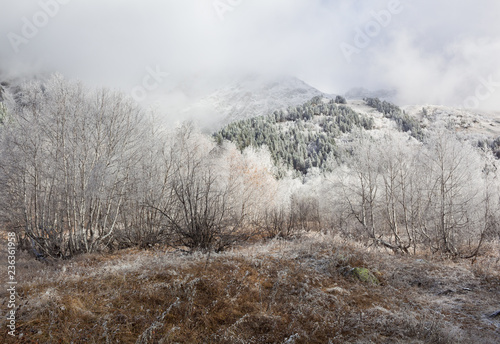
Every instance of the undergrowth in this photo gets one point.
(298, 291)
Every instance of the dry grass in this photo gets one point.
(278, 292)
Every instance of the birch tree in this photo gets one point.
(69, 152)
(457, 202)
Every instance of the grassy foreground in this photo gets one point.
(300, 291)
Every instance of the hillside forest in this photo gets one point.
(87, 170)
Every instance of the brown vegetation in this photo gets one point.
(298, 291)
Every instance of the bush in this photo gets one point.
(340, 100)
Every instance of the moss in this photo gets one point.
(365, 275)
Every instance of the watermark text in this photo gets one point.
(11, 283)
(484, 90)
(150, 82)
(221, 7)
(31, 26)
(364, 35)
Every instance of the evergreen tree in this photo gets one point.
(300, 138)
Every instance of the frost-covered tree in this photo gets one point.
(67, 159)
(403, 194)
(213, 192)
(456, 211)
(361, 182)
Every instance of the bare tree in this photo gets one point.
(210, 193)
(456, 203)
(305, 212)
(278, 222)
(405, 194)
(360, 185)
(143, 225)
(398, 167)
(70, 154)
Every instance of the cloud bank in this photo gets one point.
(444, 52)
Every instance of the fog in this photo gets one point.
(431, 52)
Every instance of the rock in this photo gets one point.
(445, 292)
(337, 290)
(365, 275)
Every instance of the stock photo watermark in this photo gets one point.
(221, 7)
(484, 90)
(30, 27)
(11, 283)
(150, 82)
(365, 34)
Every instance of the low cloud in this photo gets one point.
(430, 52)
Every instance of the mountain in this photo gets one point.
(300, 137)
(361, 93)
(465, 121)
(211, 102)
(249, 97)
(308, 135)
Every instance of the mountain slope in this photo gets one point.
(306, 136)
(300, 137)
(249, 97)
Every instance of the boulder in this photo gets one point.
(337, 290)
(365, 275)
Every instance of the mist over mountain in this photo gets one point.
(429, 53)
(361, 92)
(248, 97)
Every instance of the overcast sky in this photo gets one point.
(443, 51)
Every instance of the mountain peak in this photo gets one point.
(250, 96)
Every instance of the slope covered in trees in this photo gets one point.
(300, 137)
(403, 120)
